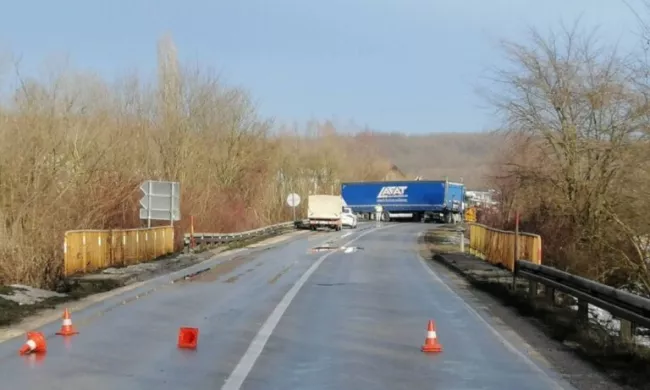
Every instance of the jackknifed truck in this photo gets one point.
(325, 211)
(415, 200)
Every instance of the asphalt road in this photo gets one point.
(285, 318)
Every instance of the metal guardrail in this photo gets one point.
(202, 239)
(631, 309)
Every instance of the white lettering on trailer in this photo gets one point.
(392, 192)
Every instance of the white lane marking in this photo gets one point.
(346, 234)
(502, 339)
(245, 365)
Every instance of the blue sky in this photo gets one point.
(393, 65)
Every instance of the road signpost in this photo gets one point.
(293, 200)
(161, 201)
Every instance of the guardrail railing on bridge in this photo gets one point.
(203, 239)
(631, 309)
(93, 250)
(498, 247)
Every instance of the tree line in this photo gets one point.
(74, 149)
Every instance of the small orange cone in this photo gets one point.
(188, 338)
(66, 328)
(431, 342)
(35, 343)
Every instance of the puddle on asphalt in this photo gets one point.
(344, 249)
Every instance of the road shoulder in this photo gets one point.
(462, 273)
(48, 311)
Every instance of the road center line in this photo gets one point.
(246, 363)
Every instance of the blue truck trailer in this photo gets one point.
(438, 200)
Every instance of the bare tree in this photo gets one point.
(578, 106)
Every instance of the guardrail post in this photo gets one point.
(532, 290)
(583, 311)
(625, 332)
(549, 292)
(461, 231)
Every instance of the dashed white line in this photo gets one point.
(246, 363)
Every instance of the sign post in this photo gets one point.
(516, 254)
(293, 200)
(161, 201)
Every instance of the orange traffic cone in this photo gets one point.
(66, 328)
(188, 338)
(431, 342)
(35, 343)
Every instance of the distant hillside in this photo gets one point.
(437, 155)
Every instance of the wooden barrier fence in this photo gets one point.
(498, 246)
(91, 250)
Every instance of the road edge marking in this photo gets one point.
(245, 365)
(560, 382)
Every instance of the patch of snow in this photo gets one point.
(613, 325)
(136, 268)
(604, 318)
(26, 295)
(642, 340)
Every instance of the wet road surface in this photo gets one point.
(286, 318)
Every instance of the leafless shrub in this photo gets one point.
(74, 149)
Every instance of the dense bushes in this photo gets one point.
(74, 149)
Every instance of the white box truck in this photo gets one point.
(325, 211)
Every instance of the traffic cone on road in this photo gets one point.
(35, 343)
(188, 338)
(431, 342)
(66, 328)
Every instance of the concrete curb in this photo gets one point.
(449, 263)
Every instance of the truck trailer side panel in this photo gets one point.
(405, 197)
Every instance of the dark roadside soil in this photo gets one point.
(587, 356)
(12, 312)
(77, 288)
